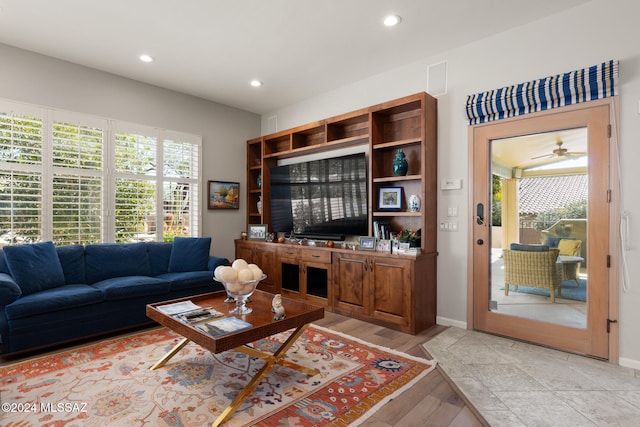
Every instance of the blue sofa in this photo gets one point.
(51, 295)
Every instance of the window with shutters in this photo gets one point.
(21, 147)
(77, 179)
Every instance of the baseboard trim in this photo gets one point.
(444, 321)
(629, 363)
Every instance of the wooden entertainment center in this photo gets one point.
(393, 290)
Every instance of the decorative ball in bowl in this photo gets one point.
(240, 282)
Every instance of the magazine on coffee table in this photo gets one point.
(224, 326)
(178, 307)
(199, 315)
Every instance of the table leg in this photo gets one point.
(160, 363)
(271, 361)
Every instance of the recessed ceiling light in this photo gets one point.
(256, 83)
(392, 20)
(146, 58)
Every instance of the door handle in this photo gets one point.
(479, 214)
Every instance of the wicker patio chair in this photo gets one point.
(536, 269)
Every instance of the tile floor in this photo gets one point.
(563, 312)
(515, 384)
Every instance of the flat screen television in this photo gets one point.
(321, 199)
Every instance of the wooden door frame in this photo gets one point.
(614, 218)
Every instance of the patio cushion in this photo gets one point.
(568, 247)
(528, 248)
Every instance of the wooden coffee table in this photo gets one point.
(298, 316)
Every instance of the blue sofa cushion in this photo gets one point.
(109, 260)
(120, 288)
(159, 254)
(56, 299)
(4, 268)
(72, 261)
(528, 248)
(189, 254)
(35, 267)
(188, 280)
(9, 289)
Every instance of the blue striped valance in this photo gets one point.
(599, 81)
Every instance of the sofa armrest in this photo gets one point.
(215, 261)
(9, 290)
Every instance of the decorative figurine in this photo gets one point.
(277, 307)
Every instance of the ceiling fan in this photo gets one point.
(561, 152)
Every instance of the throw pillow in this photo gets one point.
(189, 254)
(568, 247)
(35, 267)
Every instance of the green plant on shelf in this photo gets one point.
(409, 236)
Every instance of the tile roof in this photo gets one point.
(543, 193)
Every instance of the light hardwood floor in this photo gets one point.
(433, 401)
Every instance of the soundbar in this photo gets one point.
(314, 236)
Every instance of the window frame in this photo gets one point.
(108, 173)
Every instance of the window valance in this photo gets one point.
(587, 84)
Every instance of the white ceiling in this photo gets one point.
(298, 48)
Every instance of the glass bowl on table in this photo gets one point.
(240, 291)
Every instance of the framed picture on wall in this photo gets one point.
(223, 195)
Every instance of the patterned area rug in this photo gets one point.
(110, 383)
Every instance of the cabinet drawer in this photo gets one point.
(316, 256)
(290, 252)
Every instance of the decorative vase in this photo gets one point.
(400, 164)
(259, 181)
(414, 203)
(259, 205)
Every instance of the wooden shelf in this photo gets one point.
(408, 123)
(398, 178)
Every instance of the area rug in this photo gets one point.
(110, 384)
(570, 290)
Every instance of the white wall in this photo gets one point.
(586, 35)
(42, 80)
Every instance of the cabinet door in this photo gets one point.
(351, 282)
(265, 257)
(390, 297)
(244, 250)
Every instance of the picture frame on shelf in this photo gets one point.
(367, 243)
(383, 246)
(257, 232)
(223, 195)
(389, 198)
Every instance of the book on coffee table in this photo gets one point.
(224, 326)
